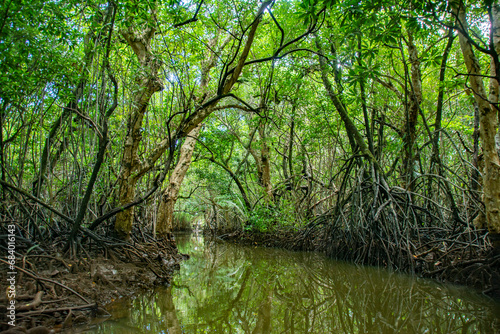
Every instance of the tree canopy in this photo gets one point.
(369, 119)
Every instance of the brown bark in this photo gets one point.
(488, 118)
(165, 216)
(147, 83)
(410, 129)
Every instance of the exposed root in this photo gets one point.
(95, 271)
(391, 227)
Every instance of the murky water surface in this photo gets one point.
(226, 288)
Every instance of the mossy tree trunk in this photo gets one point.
(488, 114)
(146, 84)
(412, 110)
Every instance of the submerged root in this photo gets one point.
(394, 228)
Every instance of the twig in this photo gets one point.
(48, 280)
(54, 310)
(33, 304)
(52, 257)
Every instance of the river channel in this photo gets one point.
(227, 288)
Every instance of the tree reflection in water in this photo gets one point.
(225, 288)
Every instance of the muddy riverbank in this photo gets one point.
(55, 293)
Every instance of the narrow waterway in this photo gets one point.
(226, 288)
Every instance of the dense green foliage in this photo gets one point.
(333, 101)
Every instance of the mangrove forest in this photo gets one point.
(301, 131)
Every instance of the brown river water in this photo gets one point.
(226, 288)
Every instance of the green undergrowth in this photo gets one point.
(272, 219)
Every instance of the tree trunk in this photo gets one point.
(410, 128)
(475, 180)
(265, 170)
(103, 124)
(355, 138)
(488, 117)
(147, 83)
(439, 109)
(165, 216)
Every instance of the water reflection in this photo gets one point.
(225, 288)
